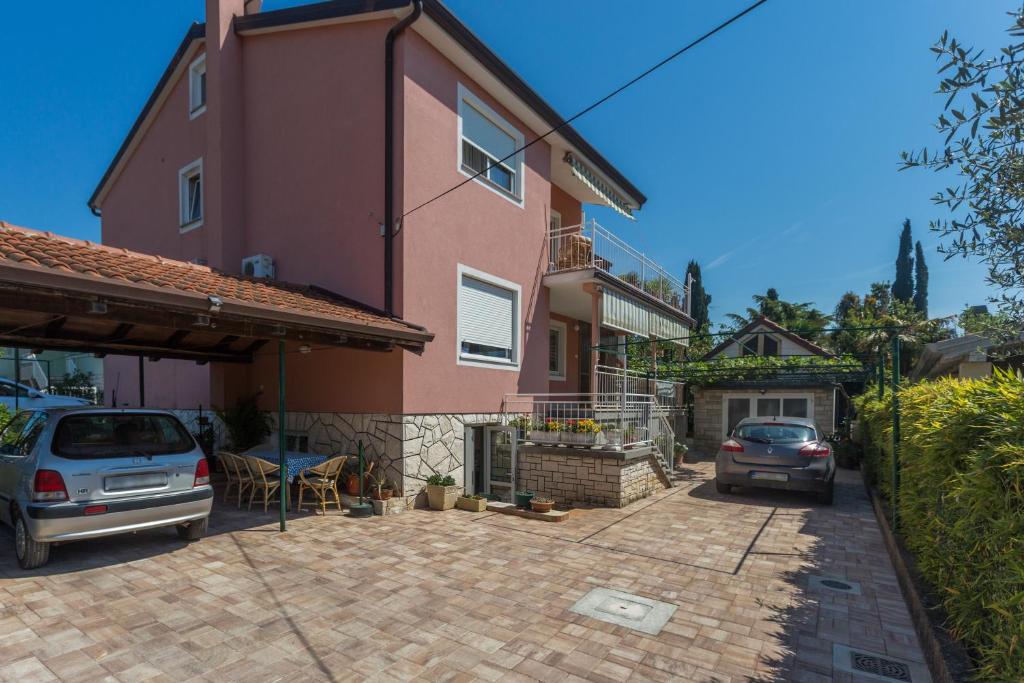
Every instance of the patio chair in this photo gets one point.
(237, 468)
(321, 480)
(265, 479)
(227, 461)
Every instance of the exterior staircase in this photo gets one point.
(664, 439)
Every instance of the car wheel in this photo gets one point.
(30, 552)
(194, 530)
(825, 496)
(722, 488)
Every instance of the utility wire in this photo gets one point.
(596, 104)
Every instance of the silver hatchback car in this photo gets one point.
(68, 474)
(777, 452)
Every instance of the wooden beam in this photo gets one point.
(120, 332)
(100, 346)
(175, 339)
(53, 327)
(256, 345)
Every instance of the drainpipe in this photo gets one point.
(389, 143)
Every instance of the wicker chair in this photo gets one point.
(235, 479)
(321, 480)
(264, 478)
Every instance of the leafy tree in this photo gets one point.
(700, 300)
(999, 327)
(878, 299)
(983, 125)
(903, 286)
(801, 318)
(920, 281)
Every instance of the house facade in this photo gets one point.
(264, 151)
(719, 406)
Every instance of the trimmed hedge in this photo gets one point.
(962, 504)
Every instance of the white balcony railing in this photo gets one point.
(611, 421)
(611, 380)
(592, 246)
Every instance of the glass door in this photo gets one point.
(500, 462)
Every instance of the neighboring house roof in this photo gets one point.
(333, 10)
(762, 321)
(42, 259)
(944, 357)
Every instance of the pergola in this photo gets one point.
(58, 293)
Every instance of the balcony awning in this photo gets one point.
(594, 183)
(625, 313)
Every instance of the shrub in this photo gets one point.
(439, 480)
(961, 504)
(245, 423)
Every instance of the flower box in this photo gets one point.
(442, 497)
(471, 504)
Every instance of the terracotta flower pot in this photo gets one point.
(352, 485)
(542, 506)
(381, 494)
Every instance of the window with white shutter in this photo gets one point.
(488, 319)
(487, 147)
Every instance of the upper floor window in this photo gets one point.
(488, 320)
(487, 145)
(556, 349)
(197, 87)
(760, 345)
(190, 191)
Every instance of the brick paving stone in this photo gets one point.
(456, 596)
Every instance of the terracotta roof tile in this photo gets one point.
(46, 250)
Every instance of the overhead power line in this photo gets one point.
(595, 105)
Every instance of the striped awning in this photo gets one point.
(594, 183)
(622, 312)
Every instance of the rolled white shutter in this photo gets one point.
(486, 314)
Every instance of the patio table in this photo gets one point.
(295, 461)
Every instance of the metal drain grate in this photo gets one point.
(879, 666)
(834, 584)
(837, 585)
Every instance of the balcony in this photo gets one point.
(590, 246)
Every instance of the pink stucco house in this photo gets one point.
(301, 144)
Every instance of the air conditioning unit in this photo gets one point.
(259, 265)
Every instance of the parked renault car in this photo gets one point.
(33, 399)
(68, 474)
(777, 452)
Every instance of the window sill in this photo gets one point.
(195, 113)
(189, 227)
(484, 362)
(557, 378)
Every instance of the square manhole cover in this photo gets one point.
(877, 666)
(624, 609)
(834, 584)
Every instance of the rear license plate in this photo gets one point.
(135, 481)
(770, 476)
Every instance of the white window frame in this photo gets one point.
(563, 337)
(518, 194)
(187, 172)
(760, 344)
(472, 360)
(195, 69)
(753, 405)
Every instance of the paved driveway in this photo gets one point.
(460, 596)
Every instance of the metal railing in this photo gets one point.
(612, 380)
(613, 421)
(591, 246)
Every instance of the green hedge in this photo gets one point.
(962, 504)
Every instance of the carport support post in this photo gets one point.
(17, 377)
(142, 382)
(282, 462)
(895, 430)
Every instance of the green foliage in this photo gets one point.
(903, 285)
(983, 146)
(920, 281)
(700, 300)
(999, 327)
(5, 416)
(246, 424)
(800, 318)
(703, 373)
(961, 503)
(440, 480)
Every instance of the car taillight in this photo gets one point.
(49, 486)
(816, 450)
(732, 446)
(202, 473)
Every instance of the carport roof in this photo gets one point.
(58, 292)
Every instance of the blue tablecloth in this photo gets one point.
(296, 461)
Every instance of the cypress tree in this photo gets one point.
(903, 285)
(921, 282)
(699, 299)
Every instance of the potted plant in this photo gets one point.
(680, 453)
(522, 425)
(442, 492)
(583, 432)
(382, 488)
(523, 498)
(245, 423)
(541, 504)
(549, 431)
(471, 503)
(610, 435)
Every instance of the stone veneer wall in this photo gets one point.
(569, 475)
(708, 415)
(409, 448)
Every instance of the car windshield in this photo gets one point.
(108, 435)
(774, 432)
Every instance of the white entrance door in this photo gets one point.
(499, 462)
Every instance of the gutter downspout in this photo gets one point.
(389, 143)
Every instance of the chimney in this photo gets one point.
(224, 159)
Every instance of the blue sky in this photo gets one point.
(769, 153)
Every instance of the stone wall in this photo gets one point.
(708, 413)
(569, 475)
(408, 448)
